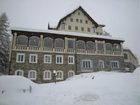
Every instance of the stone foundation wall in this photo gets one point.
(40, 66)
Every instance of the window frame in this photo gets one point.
(36, 57)
(21, 71)
(86, 64)
(57, 76)
(60, 56)
(115, 65)
(44, 75)
(101, 64)
(17, 57)
(69, 59)
(35, 76)
(71, 71)
(48, 55)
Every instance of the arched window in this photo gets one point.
(116, 47)
(91, 45)
(108, 46)
(19, 72)
(80, 44)
(34, 41)
(71, 73)
(59, 43)
(101, 64)
(22, 40)
(47, 75)
(32, 75)
(48, 42)
(59, 75)
(100, 46)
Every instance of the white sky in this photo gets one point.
(121, 17)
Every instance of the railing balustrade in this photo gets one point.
(62, 50)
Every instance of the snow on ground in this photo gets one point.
(107, 88)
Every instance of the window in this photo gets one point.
(78, 13)
(70, 59)
(82, 28)
(20, 58)
(48, 42)
(81, 21)
(77, 20)
(125, 56)
(87, 64)
(47, 75)
(91, 45)
(33, 58)
(59, 75)
(34, 41)
(114, 64)
(32, 74)
(86, 21)
(116, 47)
(71, 73)
(59, 43)
(80, 44)
(22, 40)
(88, 29)
(59, 59)
(76, 27)
(101, 64)
(70, 44)
(19, 72)
(71, 19)
(47, 59)
(69, 27)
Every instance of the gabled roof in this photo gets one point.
(79, 8)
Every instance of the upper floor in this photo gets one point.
(57, 42)
(79, 21)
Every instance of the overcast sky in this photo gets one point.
(121, 17)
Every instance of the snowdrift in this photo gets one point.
(12, 84)
(100, 88)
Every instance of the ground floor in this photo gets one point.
(50, 67)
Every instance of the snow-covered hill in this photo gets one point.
(107, 88)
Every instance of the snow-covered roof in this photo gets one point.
(68, 33)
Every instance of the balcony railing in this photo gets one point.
(62, 50)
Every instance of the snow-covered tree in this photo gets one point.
(4, 42)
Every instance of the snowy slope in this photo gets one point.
(107, 88)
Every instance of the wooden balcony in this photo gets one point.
(70, 51)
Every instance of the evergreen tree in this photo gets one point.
(4, 42)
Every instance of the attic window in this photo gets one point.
(78, 13)
(69, 27)
(88, 29)
(77, 20)
(82, 28)
(86, 21)
(76, 27)
(71, 20)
